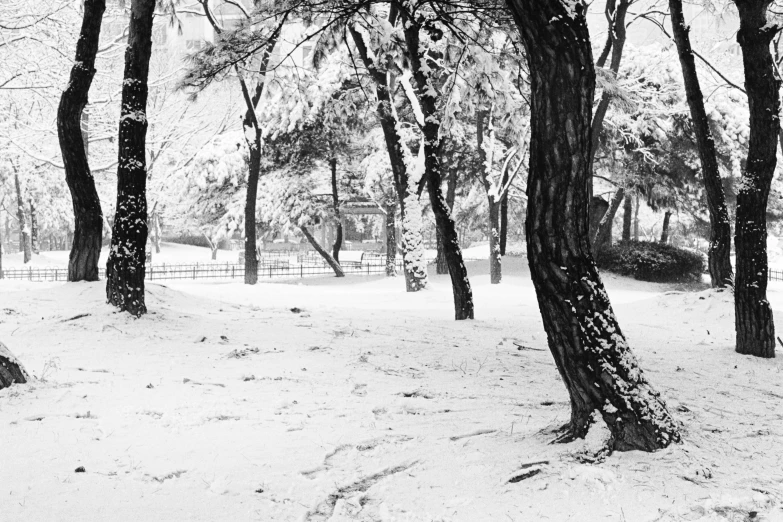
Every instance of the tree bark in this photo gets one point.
(415, 273)
(591, 353)
(254, 171)
(441, 267)
(338, 237)
(156, 227)
(627, 217)
(504, 215)
(24, 226)
(665, 228)
(338, 270)
(34, 243)
(391, 240)
(88, 217)
(603, 233)
(636, 218)
(11, 370)
(484, 120)
(427, 96)
(125, 269)
(720, 227)
(753, 314)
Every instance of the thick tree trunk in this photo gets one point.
(428, 97)
(254, 171)
(24, 225)
(34, 242)
(88, 218)
(665, 228)
(603, 233)
(441, 266)
(338, 270)
(125, 268)
(720, 228)
(753, 314)
(414, 267)
(627, 217)
(11, 370)
(391, 240)
(338, 237)
(591, 353)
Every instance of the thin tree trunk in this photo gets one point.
(603, 233)
(484, 121)
(125, 268)
(504, 214)
(414, 267)
(428, 98)
(495, 272)
(88, 217)
(338, 237)
(11, 370)
(34, 244)
(665, 228)
(391, 240)
(591, 353)
(627, 217)
(156, 226)
(338, 270)
(720, 227)
(24, 226)
(753, 314)
(636, 219)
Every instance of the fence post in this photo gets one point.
(301, 270)
(232, 272)
(152, 273)
(194, 271)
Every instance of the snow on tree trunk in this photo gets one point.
(591, 353)
(753, 314)
(422, 67)
(24, 225)
(11, 370)
(603, 233)
(254, 171)
(665, 228)
(720, 227)
(88, 217)
(504, 216)
(338, 270)
(495, 272)
(485, 147)
(412, 241)
(414, 269)
(34, 244)
(391, 240)
(125, 269)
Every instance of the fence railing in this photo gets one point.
(775, 275)
(306, 266)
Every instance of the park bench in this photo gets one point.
(351, 257)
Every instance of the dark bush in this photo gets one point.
(655, 262)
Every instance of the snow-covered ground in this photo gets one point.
(350, 399)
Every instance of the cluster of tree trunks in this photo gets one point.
(753, 313)
(591, 353)
(125, 268)
(88, 218)
(332, 262)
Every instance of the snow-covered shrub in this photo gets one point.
(648, 261)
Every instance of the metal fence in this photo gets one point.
(775, 275)
(306, 266)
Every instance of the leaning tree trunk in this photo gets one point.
(720, 228)
(338, 270)
(88, 218)
(34, 242)
(627, 217)
(591, 353)
(603, 233)
(391, 240)
(753, 314)
(414, 266)
(338, 237)
(665, 229)
(125, 268)
(11, 370)
(24, 226)
(441, 267)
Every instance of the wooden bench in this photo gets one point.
(351, 257)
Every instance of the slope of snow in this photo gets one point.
(367, 403)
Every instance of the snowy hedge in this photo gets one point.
(649, 261)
